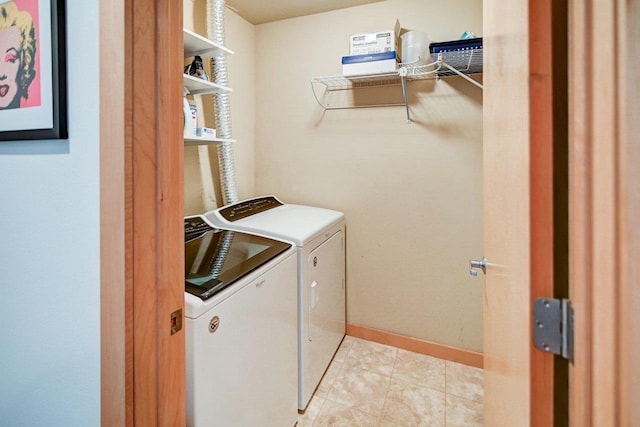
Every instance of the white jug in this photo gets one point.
(415, 48)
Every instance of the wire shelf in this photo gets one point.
(444, 64)
(455, 62)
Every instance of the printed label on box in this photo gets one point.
(368, 43)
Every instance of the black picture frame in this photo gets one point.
(53, 79)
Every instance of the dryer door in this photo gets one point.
(326, 296)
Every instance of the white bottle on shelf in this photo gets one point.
(189, 123)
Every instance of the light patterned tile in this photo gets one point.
(361, 389)
(357, 392)
(343, 350)
(372, 356)
(409, 404)
(465, 381)
(420, 369)
(324, 388)
(334, 414)
(311, 413)
(387, 421)
(461, 412)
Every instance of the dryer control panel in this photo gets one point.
(249, 207)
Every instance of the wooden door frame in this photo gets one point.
(604, 207)
(548, 192)
(141, 197)
(541, 194)
(605, 211)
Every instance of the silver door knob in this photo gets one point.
(474, 265)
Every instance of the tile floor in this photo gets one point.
(375, 385)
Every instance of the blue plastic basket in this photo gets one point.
(464, 55)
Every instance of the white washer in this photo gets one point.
(240, 328)
(319, 236)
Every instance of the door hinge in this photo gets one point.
(553, 326)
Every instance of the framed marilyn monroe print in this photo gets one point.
(33, 84)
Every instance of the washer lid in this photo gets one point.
(216, 259)
(195, 306)
(296, 223)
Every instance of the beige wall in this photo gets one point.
(411, 192)
(240, 38)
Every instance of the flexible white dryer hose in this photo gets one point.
(215, 32)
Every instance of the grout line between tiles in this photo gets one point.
(342, 365)
(446, 388)
(386, 394)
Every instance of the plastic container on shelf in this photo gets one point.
(465, 55)
(187, 127)
(415, 48)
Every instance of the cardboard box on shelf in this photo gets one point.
(370, 43)
(376, 63)
(377, 42)
(399, 31)
(206, 132)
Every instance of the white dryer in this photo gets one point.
(319, 236)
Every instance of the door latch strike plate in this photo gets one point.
(176, 321)
(553, 326)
